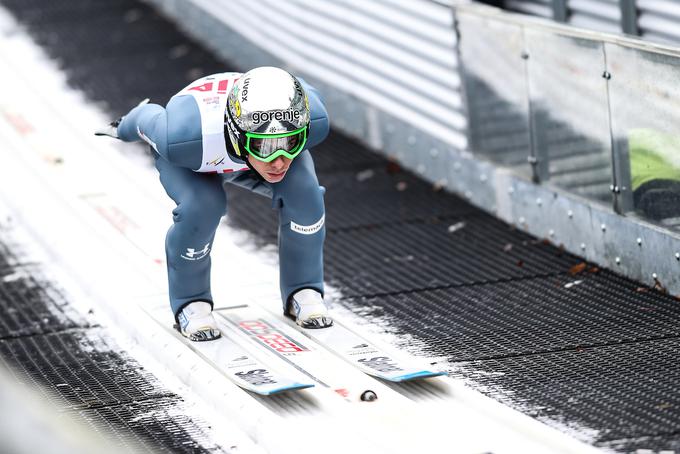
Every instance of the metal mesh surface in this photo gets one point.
(30, 305)
(622, 391)
(377, 197)
(81, 371)
(118, 52)
(11, 251)
(156, 426)
(594, 350)
(80, 367)
(385, 254)
(123, 91)
(340, 153)
(525, 317)
(362, 198)
(409, 257)
(662, 444)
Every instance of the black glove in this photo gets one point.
(111, 129)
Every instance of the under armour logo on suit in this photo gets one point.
(193, 254)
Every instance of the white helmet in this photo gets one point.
(267, 115)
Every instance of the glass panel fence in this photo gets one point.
(645, 107)
(494, 78)
(569, 113)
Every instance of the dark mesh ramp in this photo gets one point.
(378, 197)
(659, 444)
(361, 198)
(409, 257)
(10, 250)
(405, 244)
(593, 349)
(94, 79)
(340, 153)
(118, 52)
(525, 317)
(29, 305)
(81, 368)
(147, 425)
(617, 389)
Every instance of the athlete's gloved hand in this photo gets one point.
(111, 129)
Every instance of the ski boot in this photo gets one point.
(196, 322)
(309, 310)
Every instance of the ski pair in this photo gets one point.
(264, 330)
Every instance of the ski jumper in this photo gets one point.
(192, 160)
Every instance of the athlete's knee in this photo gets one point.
(206, 205)
(303, 186)
(306, 205)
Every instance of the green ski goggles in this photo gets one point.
(267, 147)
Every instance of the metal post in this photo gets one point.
(629, 15)
(468, 110)
(622, 183)
(560, 11)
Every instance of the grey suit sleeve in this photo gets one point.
(148, 123)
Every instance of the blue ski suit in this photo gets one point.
(190, 155)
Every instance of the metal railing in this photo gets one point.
(392, 54)
(655, 20)
(587, 112)
(596, 115)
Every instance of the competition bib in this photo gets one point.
(211, 93)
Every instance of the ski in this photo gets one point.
(262, 327)
(370, 359)
(271, 332)
(235, 361)
(243, 369)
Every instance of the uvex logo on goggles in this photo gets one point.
(279, 115)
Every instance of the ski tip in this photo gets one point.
(417, 375)
(292, 387)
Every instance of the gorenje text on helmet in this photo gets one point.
(279, 115)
